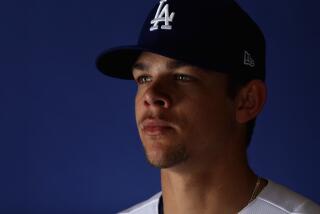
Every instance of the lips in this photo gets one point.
(155, 127)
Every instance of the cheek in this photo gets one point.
(210, 120)
(138, 106)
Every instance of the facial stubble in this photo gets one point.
(167, 155)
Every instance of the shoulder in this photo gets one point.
(149, 206)
(278, 199)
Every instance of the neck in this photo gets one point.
(223, 187)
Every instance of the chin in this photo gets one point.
(161, 156)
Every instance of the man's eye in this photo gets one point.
(183, 77)
(143, 79)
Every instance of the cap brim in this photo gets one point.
(118, 62)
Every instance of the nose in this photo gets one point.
(157, 96)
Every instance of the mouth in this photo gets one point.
(155, 127)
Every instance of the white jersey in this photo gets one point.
(273, 199)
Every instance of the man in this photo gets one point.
(200, 70)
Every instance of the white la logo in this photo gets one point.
(162, 16)
(248, 60)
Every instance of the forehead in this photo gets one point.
(148, 61)
(149, 55)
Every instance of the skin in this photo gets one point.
(195, 134)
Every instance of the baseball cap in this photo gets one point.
(214, 34)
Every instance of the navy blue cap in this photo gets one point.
(213, 34)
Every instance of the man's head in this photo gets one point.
(212, 34)
(217, 42)
(186, 113)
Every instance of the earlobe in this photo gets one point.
(250, 101)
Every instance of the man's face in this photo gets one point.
(183, 113)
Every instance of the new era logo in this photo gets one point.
(248, 60)
(162, 15)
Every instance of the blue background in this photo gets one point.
(68, 138)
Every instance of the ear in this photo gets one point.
(250, 100)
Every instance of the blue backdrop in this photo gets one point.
(68, 138)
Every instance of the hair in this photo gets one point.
(236, 81)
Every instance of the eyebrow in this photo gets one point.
(140, 66)
(171, 65)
